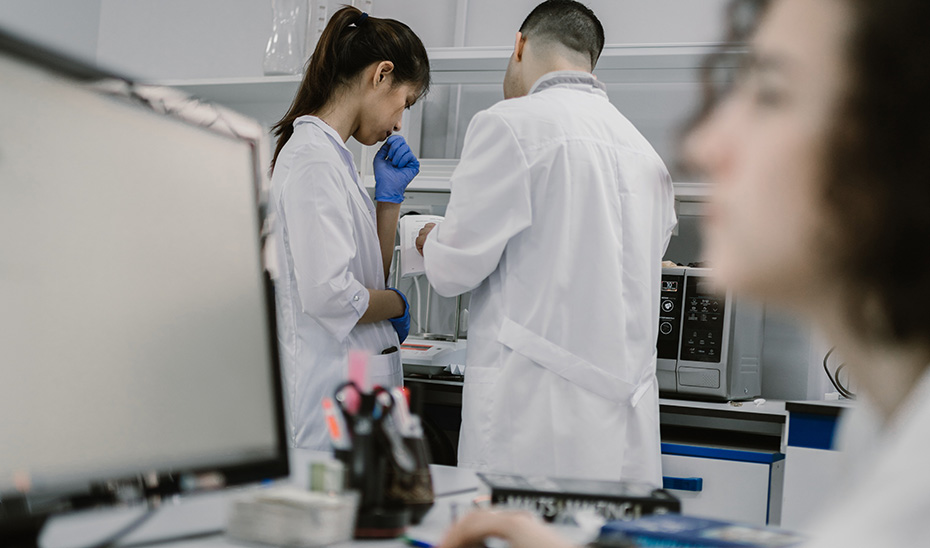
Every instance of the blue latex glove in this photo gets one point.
(401, 324)
(395, 166)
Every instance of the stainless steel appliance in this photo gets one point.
(710, 343)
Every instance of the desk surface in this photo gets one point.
(820, 407)
(205, 514)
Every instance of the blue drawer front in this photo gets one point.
(683, 484)
(814, 431)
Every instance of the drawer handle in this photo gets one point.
(683, 484)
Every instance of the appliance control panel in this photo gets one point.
(702, 328)
(670, 305)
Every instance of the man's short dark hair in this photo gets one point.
(569, 23)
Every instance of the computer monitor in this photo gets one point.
(137, 338)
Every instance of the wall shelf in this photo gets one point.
(651, 83)
(435, 174)
(614, 57)
(231, 91)
(653, 63)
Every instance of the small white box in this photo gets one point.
(293, 517)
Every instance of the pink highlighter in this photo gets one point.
(358, 373)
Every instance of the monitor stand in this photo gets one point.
(21, 531)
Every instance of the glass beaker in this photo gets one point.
(284, 53)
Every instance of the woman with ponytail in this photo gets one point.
(335, 245)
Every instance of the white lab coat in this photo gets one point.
(884, 496)
(559, 215)
(329, 257)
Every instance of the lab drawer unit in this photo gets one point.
(723, 483)
(815, 463)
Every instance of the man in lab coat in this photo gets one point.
(559, 215)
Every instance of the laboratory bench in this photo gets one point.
(748, 425)
(765, 462)
(724, 460)
(198, 521)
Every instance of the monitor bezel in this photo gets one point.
(18, 520)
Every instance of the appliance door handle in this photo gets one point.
(683, 484)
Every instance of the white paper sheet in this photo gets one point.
(411, 262)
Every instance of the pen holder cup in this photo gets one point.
(414, 491)
(395, 498)
(366, 469)
(389, 469)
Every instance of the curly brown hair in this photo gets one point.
(876, 192)
(878, 186)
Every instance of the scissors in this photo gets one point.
(373, 413)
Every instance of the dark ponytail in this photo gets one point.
(350, 43)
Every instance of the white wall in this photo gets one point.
(194, 39)
(181, 39)
(494, 23)
(177, 39)
(71, 27)
(792, 358)
(433, 21)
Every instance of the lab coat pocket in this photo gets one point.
(565, 364)
(386, 370)
(479, 401)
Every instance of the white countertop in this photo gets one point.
(766, 407)
(205, 514)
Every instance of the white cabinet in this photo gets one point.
(809, 479)
(814, 466)
(736, 490)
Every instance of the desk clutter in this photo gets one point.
(554, 499)
(677, 531)
(625, 514)
(386, 460)
(293, 517)
(378, 483)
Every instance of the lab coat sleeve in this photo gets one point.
(490, 204)
(321, 241)
(671, 217)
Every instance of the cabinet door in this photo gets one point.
(731, 490)
(809, 480)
